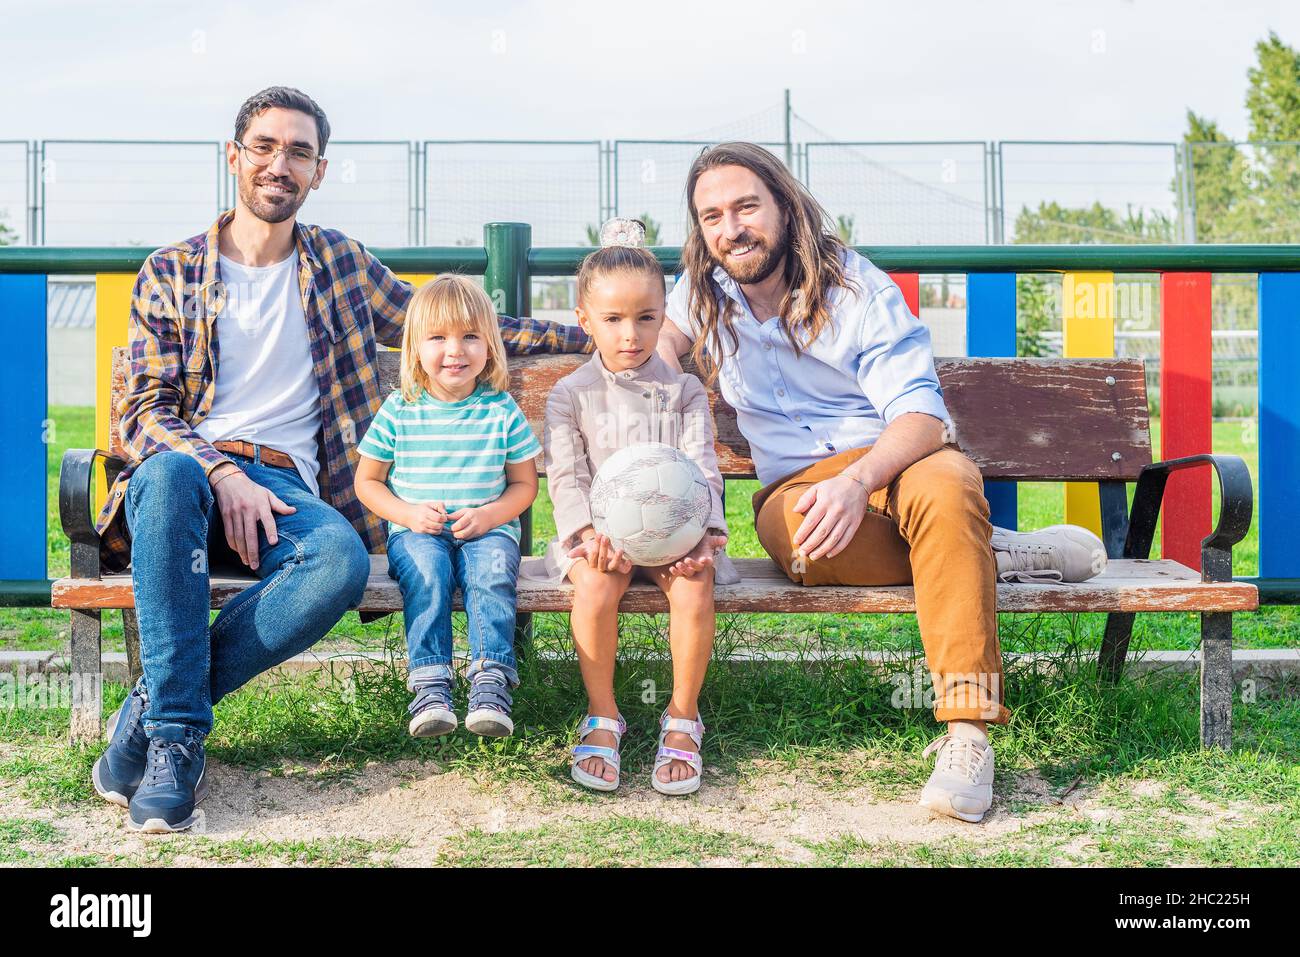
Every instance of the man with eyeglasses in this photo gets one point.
(252, 377)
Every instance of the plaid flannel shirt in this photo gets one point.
(350, 300)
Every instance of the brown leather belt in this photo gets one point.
(270, 456)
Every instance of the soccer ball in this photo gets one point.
(652, 501)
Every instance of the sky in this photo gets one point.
(394, 69)
(924, 70)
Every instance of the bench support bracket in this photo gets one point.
(1237, 499)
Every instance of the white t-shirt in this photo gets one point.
(266, 389)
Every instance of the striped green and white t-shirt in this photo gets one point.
(454, 452)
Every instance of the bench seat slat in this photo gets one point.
(1126, 585)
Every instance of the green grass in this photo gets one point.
(829, 725)
(1065, 724)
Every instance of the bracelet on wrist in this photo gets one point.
(854, 478)
(221, 478)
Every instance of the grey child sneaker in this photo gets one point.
(489, 704)
(430, 709)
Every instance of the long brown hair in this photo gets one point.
(813, 266)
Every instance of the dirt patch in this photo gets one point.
(412, 809)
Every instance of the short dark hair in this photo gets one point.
(286, 98)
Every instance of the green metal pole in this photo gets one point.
(508, 282)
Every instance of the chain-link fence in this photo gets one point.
(440, 192)
(141, 193)
(556, 186)
(15, 192)
(1061, 192)
(903, 193)
(1245, 192)
(650, 181)
(367, 192)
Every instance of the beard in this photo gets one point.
(271, 211)
(759, 264)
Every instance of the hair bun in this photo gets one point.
(622, 232)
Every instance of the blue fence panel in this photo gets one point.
(991, 331)
(23, 424)
(1279, 425)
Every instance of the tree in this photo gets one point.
(1219, 180)
(1054, 223)
(7, 233)
(1273, 97)
(844, 226)
(1253, 197)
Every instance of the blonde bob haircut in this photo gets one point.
(451, 303)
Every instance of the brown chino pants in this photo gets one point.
(928, 528)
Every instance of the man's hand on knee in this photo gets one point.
(243, 503)
(834, 510)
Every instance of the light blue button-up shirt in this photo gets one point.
(871, 364)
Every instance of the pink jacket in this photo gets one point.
(592, 413)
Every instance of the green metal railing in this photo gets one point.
(564, 260)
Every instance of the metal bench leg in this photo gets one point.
(87, 724)
(131, 635)
(1115, 529)
(1216, 680)
(524, 619)
(1114, 645)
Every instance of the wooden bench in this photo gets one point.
(1018, 419)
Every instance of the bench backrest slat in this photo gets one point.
(1026, 419)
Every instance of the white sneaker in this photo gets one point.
(1057, 553)
(961, 784)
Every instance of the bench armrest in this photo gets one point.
(76, 473)
(1236, 504)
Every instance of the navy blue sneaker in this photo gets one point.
(173, 782)
(489, 704)
(118, 770)
(430, 709)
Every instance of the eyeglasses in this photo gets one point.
(299, 158)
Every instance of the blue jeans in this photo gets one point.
(309, 578)
(428, 569)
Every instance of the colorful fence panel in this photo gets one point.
(24, 427)
(1279, 426)
(1088, 332)
(1185, 408)
(991, 331)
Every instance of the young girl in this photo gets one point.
(448, 461)
(625, 395)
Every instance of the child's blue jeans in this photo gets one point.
(428, 569)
